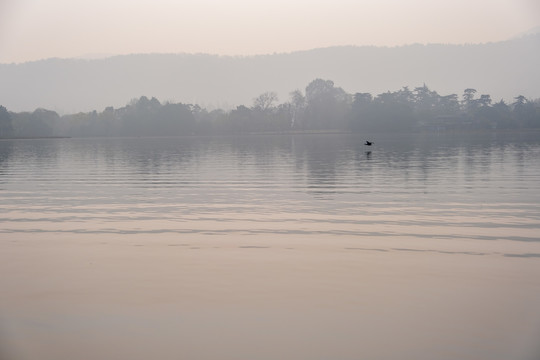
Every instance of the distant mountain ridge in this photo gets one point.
(502, 69)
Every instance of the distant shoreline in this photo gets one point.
(35, 137)
(301, 133)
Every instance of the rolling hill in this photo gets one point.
(502, 69)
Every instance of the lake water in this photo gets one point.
(271, 247)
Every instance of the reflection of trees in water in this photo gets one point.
(326, 163)
(334, 161)
(318, 157)
(262, 147)
(39, 153)
(6, 149)
(327, 160)
(154, 156)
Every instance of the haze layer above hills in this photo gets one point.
(503, 70)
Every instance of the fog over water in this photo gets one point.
(290, 247)
(293, 180)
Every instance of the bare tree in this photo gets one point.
(265, 101)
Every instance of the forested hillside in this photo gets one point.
(502, 69)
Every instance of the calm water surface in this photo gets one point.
(307, 247)
(481, 188)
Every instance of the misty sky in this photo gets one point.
(37, 29)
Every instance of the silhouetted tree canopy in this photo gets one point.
(322, 107)
(6, 128)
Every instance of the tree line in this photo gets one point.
(322, 106)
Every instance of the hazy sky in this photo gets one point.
(37, 29)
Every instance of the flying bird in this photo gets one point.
(368, 143)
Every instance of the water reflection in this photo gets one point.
(419, 186)
(423, 238)
(6, 149)
(324, 160)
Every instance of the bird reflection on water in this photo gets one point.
(368, 153)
